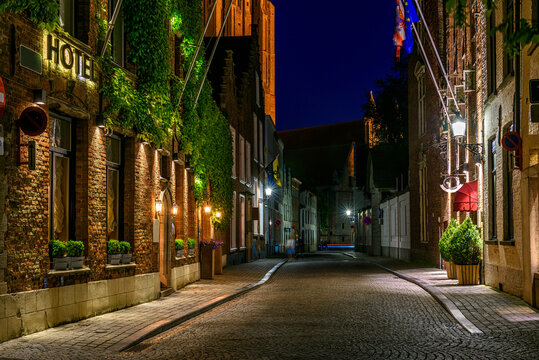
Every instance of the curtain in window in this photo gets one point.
(59, 207)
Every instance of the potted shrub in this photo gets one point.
(58, 252)
(75, 251)
(114, 252)
(178, 244)
(443, 246)
(125, 249)
(191, 243)
(465, 251)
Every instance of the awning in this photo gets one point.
(466, 197)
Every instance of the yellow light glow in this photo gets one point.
(218, 214)
(207, 209)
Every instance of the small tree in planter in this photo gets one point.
(444, 245)
(465, 251)
(58, 252)
(114, 252)
(125, 249)
(75, 250)
(191, 243)
(179, 244)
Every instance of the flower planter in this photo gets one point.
(126, 258)
(450, 269)
(191, 252)
(60, 263)
(179, 253)
(76, 262)
(207, 262)
(114, 259)
(218, 261)
(468, 274)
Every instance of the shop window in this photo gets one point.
(62, 188)
(118, 35)
(114, 187)
(74, 18)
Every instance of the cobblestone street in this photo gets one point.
(328, 306)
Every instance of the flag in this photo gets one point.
(274, 175)
(400, 34)
(411, 17)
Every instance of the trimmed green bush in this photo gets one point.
(113, 247)
(178, 244)
(58, 248)
(125, 247)
(465, 245)
(444, 243)
(75, 248)
(191, 243)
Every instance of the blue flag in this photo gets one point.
(411, 17)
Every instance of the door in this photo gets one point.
(165, 222)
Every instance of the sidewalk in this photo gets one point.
(112, 332)
(487, 309)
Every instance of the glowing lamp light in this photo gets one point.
(218, 214)
(158, 205)
(348, 212)
(458, 126)
(175, 209)
(207, 209)
(268, 191)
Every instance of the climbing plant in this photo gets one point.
(42, 12)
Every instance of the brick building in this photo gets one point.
(63, 177)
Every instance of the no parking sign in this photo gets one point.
(367, 220)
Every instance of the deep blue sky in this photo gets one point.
(328, 54)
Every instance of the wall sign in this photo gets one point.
(33, 121)
(30, 59)
(70, 58)
(367, 220)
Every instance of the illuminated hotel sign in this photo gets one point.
(70, 58)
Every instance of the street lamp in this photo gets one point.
(218, 214)
(268, 191)
(207, 209)
(348, 212)
(458, 126)
(158, 205)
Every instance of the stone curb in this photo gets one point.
(164, 325)
(436, 294)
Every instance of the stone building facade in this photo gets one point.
(80, 183)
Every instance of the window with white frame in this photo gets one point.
(75, 18)
(421, 103)
(248, 162)
(255, 137)
(117, 37)
(242, 159)
(423, 201)
(242, 221)
(255, 204)
(233, 233)
(233, 135)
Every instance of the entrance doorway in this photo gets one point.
(165, 239)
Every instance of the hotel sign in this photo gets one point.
(70, 58)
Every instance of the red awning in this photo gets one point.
(466, 197)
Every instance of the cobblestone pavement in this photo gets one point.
(333, 307)
(490, 310)
(106, 334)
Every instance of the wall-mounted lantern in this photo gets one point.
(158, 205)
(207, 209)
(175, 209)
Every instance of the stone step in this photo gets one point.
(165, 292)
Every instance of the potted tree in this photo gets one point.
(465, 251)
(191, 243)
(75, 251)
(178, 244)
(125, 249)
(114, 252)
(58, 252)
(443, 246)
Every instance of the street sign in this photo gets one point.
(278, 222)
(511, 141)
(367, 220)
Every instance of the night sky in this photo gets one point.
(328, 54)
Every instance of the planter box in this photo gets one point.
(114, 259)
(126, 258)
(179, 253)
(207, 262)
(76, 262)
(191, 252)
(451, 269)
(61, 263)
(218, 261)
(468, 274)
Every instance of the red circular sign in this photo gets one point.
(2, 97)
(278, 222)
(511, 141)
(367, 220)
(33, 121)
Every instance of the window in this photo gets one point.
(260, 143)
(491, 54)
(165, 167)
(233, 134)
(257, 88)
(508, 193)
(420, 77)
(74, 18)
(261, 206)
(114, 187)
(242, 221)
(255, 137)
(233, 234)
(62, 188)
(509, 16)
(248, 161)
(117, 38)
(242, 159)
(492, 187)
(256, 189)
(423, 218)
